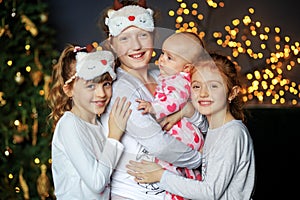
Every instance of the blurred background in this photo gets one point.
(261, 36)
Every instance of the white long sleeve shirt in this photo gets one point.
(228, 167)
(83, 159)
(144, 139)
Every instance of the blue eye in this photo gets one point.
(143, 35)
(91, 86)
(123, 38)
(214, 85)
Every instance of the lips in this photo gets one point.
(205, 103)
(137, 55)
(100, 103)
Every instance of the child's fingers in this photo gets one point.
(122, 108)
(127, 111)
(115, 105)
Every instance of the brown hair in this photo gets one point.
(59, 102)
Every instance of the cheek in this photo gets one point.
(194, 96)
(120, 49)
(148, 44)
(108, 92)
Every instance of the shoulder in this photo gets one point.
(68, 118)
(237, 132)
(236, 127)
(67, 123)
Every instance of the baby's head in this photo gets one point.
(179, 52)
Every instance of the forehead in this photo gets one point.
(133, 30)
(183, 46)
(206, 73)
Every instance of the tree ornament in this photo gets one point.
(8, 151)
(2, 100)
(47, 82)
(22, 132)
(43, 183)
(18, 139)
(19, 78)
(44, 17)
(24, 185)
(29, 25)
(4, 29)
(35, 126)
(13, 11)
(37, 61)
(36, 77)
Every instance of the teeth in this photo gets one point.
(204, 102)
(136, 55)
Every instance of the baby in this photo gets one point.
(179, 52)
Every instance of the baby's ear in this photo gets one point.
(187, 68)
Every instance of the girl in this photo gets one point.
(131, 32)
(83, 157)
(228, 167)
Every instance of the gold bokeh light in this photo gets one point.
(267, 82)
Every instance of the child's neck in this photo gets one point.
(84, 116)
(219, 119)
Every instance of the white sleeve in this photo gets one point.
(200, 121)
(225, 166)
(94, 171)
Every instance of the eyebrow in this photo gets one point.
(207, 81)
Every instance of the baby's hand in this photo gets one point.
(145, 106)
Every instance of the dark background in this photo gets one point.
(274, 129)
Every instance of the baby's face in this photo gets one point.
(170, 63)
(178, 50)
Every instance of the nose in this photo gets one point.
(100, 92)
(161, 58)
(136, 44)
(204, 91)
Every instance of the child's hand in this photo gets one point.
(145, 106)
(169, 121)
(118, 118)
(145, 171)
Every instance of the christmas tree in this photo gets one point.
(26, 59)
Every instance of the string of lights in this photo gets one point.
(273, 57)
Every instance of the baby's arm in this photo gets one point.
(170, 96)
(187, 111)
